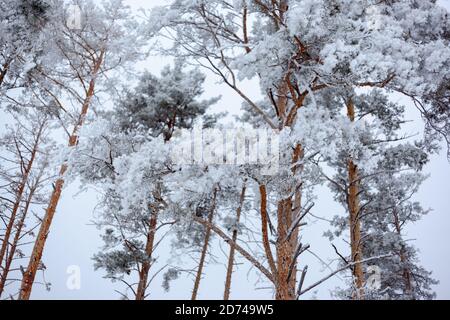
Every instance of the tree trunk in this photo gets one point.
(265, 232)
(287, 245)
(406, 273)
(226, 295)
(285, 252)
(354, 221)
(285, 276)
(143, 274)
(204, 249)
(36, 255)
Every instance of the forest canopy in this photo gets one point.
(182, 183)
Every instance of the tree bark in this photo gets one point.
(204, 249)
(287, 245)
(143, 274)
(285, 252)
(265, 231)
(406, 273)
(36, 255)
(354, 220)
(226, 295)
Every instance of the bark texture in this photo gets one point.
(145, 269)
(354, 219)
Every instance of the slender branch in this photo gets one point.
(340, 270)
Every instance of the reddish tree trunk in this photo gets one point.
(287, 244)
(204, 249)
(143, 274)
(285, 252)
(265, 232)
(354, 220)
(226, 295)
(355, 230)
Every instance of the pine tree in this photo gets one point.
(296, 49)
(21, 39)
(86, 55)
(382, 157)
(146, 119)
(26, 157)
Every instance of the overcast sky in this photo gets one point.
(73, 240)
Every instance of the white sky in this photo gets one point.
(73, 240)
